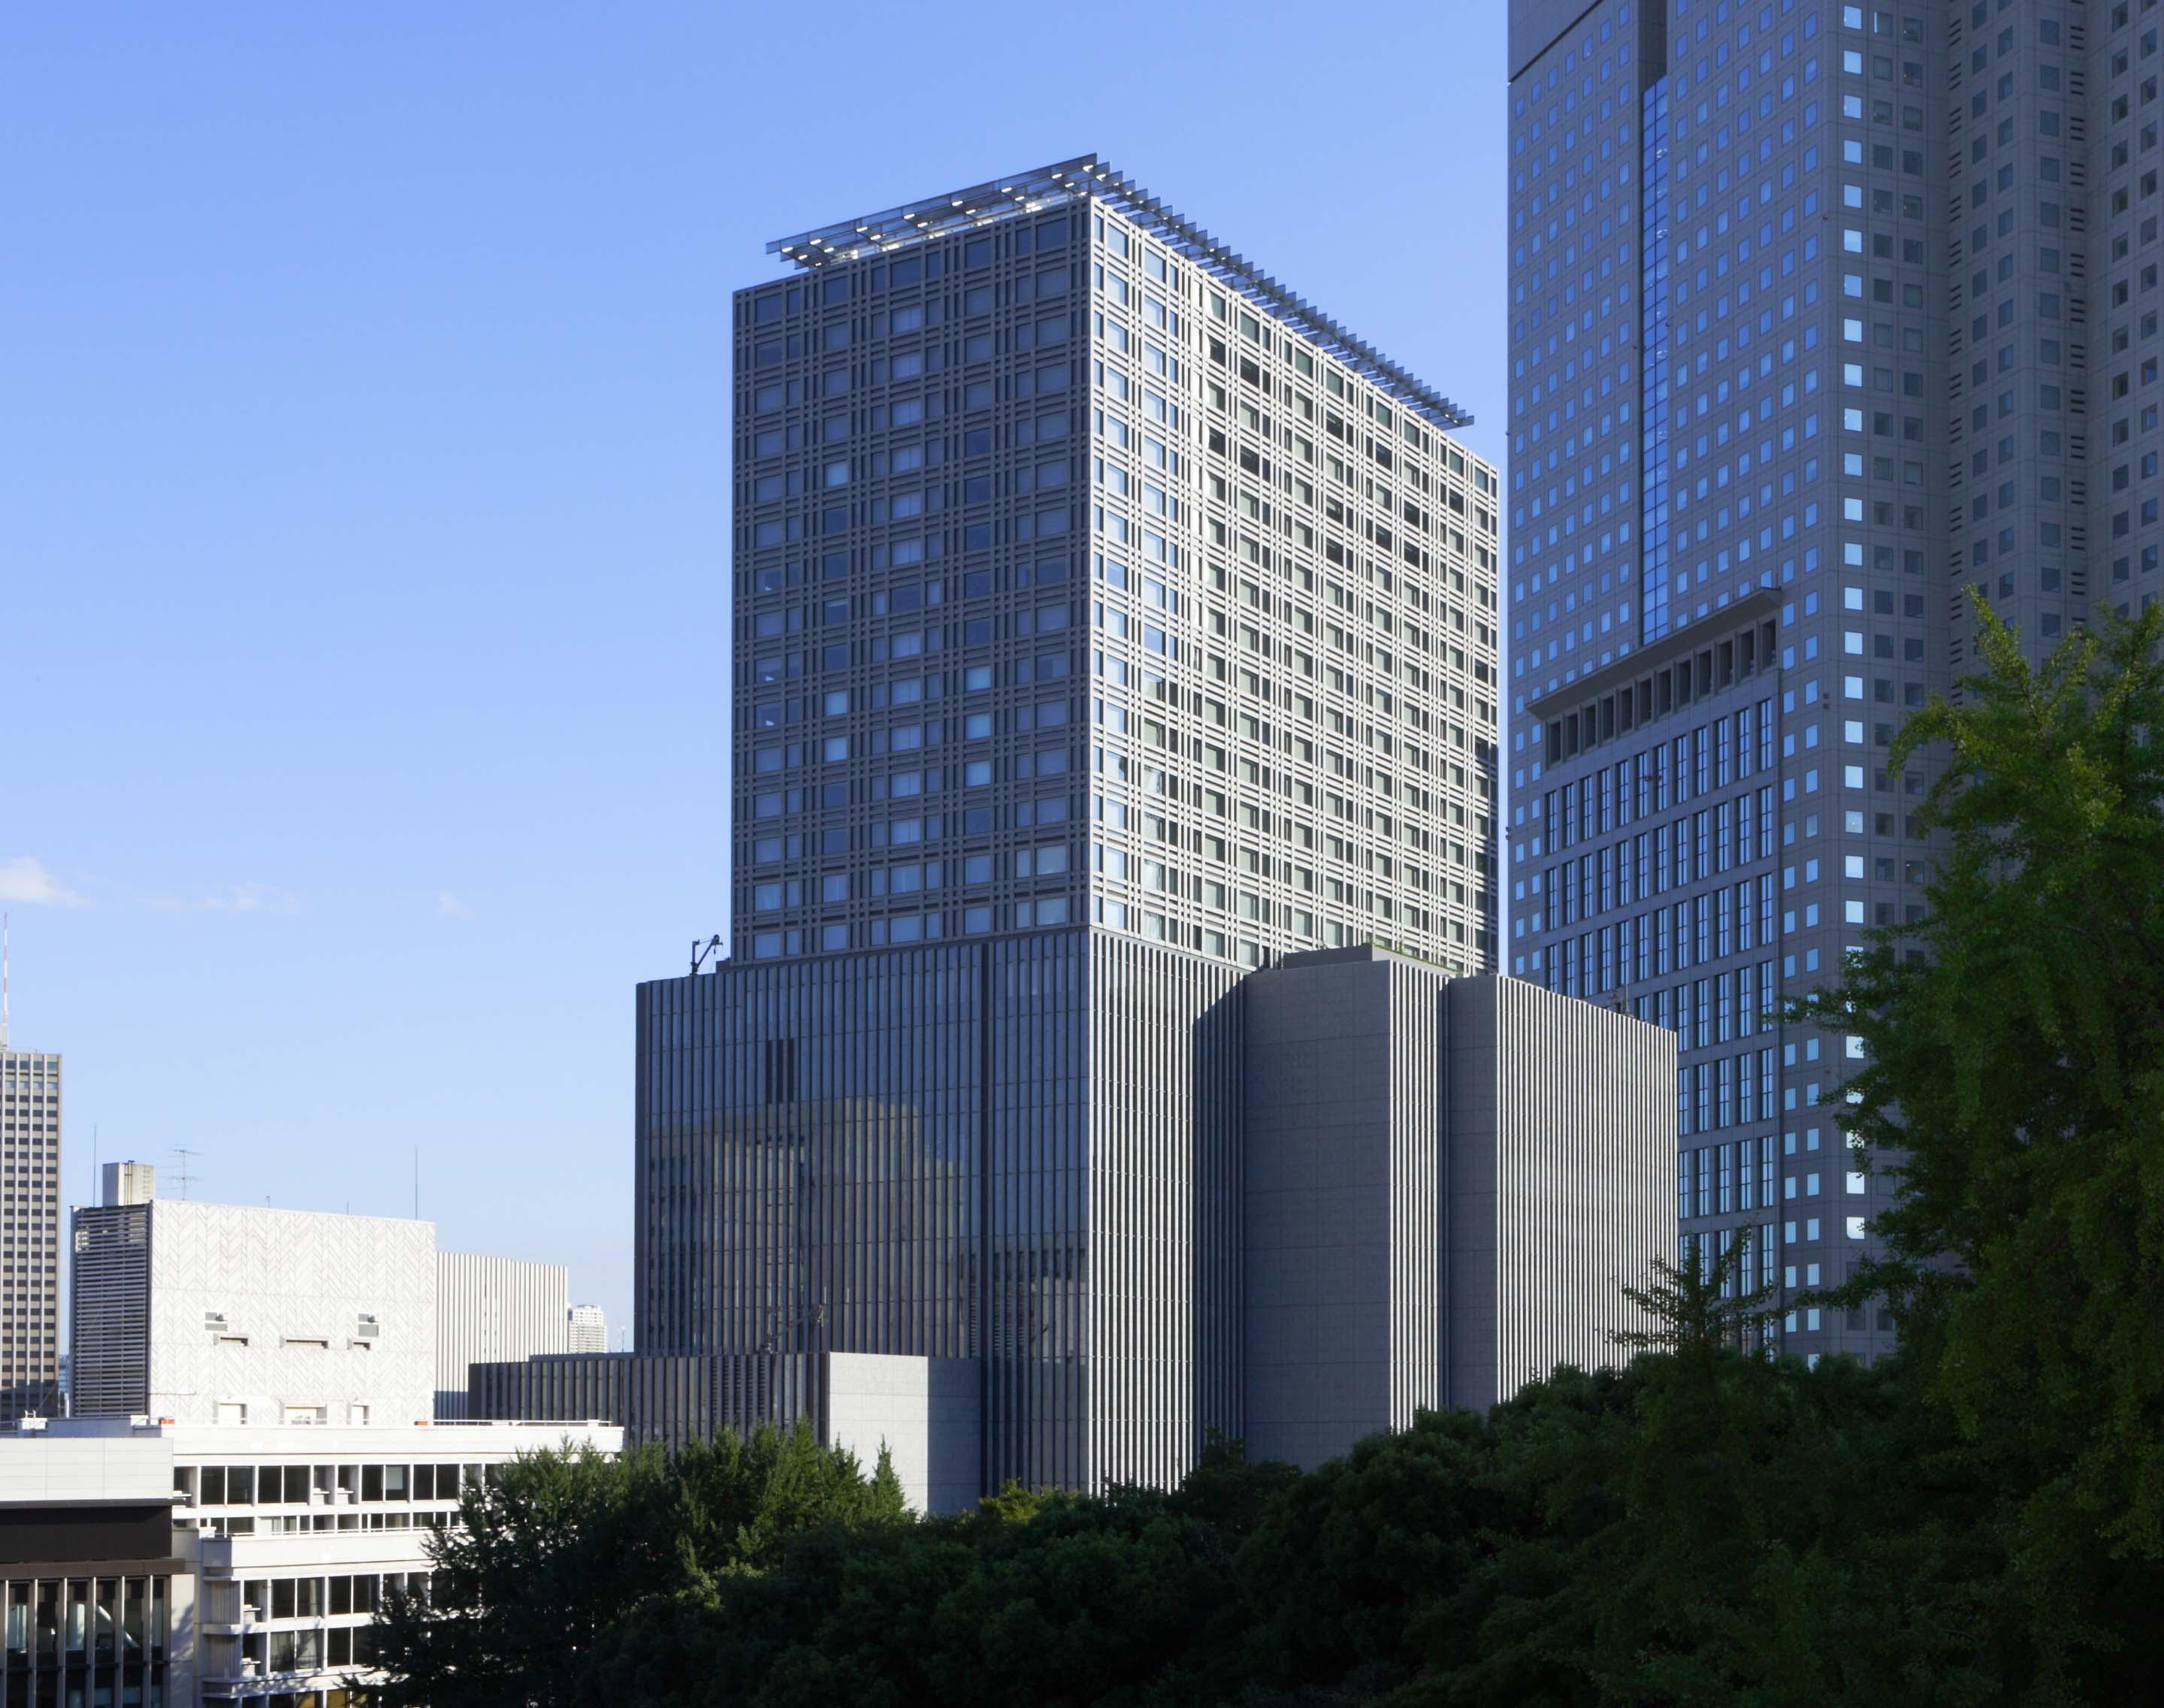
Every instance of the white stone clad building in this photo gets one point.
(233, 1314)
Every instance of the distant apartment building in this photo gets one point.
(589, 1329)
(491, 1309)
(230, 1314)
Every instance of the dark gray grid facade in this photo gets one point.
(109, 1312)
(1084, 576)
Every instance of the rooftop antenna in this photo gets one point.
(417, 1183)
(3, 980)
(187, 1158)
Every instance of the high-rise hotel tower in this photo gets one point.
(1086, 575)
(1110, 623)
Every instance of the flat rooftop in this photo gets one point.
(1088, 175)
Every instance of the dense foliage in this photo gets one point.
(1980, 1520)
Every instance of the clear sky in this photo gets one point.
(364, 491)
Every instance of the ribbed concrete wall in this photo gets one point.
(1342, 1285)
(1446, 1184)
(658, 1398)
(1561, 1157)
(1161, 1184)
(808, 1141)
(493, 1310)
(1151, 1196)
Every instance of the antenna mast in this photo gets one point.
(187, 1157)
(3, 980)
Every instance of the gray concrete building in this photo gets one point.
(1022, 1149)
(1446, 1184)
(1822, 317)
(489, 1309)
(927, 1414)
(239, 1314)
(1109, 620)
(1144, 1194)
(30, 1110)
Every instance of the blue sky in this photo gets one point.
(364, 502)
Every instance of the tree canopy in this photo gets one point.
(1979, 1519)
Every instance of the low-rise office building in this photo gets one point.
(240, 1314)
(1134, 1194)
(925, 1413)
(95, 1595)
(271, 1548)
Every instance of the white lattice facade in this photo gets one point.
(222, 1313)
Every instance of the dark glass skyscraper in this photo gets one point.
(1809, 327)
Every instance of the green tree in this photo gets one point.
(1699, 1307)
(1335, 1576)
(549, 1560)
(2011, 1084)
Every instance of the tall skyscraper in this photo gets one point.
(1803, 303)
(1116, 634)
(1086, 574)
(1086, 577)
(29, 1230)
